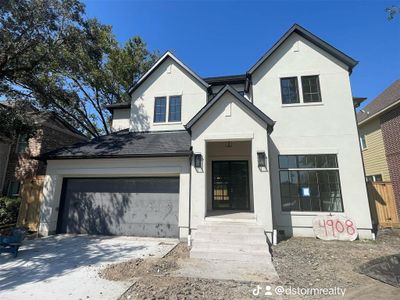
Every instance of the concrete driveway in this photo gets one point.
(66, 266)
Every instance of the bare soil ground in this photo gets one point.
(300, 262)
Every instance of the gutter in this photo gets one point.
(142, 155)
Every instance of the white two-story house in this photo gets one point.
(273, 148)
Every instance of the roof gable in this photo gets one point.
(167, 55)
(347, 60)
(250, 106)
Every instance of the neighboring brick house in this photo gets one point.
(16, 156)
(379, 126)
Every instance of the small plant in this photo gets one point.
(9, 208)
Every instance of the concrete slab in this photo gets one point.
(262, 271)
(67, 266)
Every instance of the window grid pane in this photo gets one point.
(160, 109)
(174, 114)
(311, 89)
(308, 189)
(289, 90)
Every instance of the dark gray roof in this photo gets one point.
(111, 107)
(385, 99)
(223, 80)
(347, 60)
(255, 110)
(128, 144)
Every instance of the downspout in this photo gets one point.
(190, 198)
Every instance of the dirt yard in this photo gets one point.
(300, 262)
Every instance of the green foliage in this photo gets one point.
(54, 57)
(392, 11)
(9, 208)
(15, 120)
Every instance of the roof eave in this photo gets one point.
(140, 155)
(344, 58)
(158, 63)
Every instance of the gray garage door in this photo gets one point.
(120, 206)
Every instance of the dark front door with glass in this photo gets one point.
(230, 185)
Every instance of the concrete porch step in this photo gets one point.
(226, 254)
(230, 228)
(234, 247)
(232, 238)
(233, 241)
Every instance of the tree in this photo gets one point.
(392, 11)
(60, 61)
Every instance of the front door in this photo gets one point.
(230, 185)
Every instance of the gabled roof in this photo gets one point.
(167, 55)
(347, 60)
(387, 99)
(252, 108)
(123, 144)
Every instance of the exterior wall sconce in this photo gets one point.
(198, 161)
(261, 157)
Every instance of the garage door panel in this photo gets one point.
(129, 206)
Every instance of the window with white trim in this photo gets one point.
(310, 183)
(363, 142)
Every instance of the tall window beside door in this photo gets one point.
(310, 183)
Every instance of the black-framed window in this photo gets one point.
(311, 88)
(13, 189)
(160, 108)
(175, 107)
(289, 90)
(22, 143)
(310, 183)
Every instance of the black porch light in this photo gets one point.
(198, 161)
(261, 157)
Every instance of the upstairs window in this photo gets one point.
(289, 90)
(310, 183)
(160, 108)
(22, 143)
(174, 114)
(311, 90)
(363, 142)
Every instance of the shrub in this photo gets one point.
(9, 208)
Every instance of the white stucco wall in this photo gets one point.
(228, 120)
(120, 119)
(57, 170)
(316, 128)
(169, 79)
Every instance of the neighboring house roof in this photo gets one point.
(128, 144)
(223, 80)
(46, 118)
(387, 99)
(347, 60)
(358, 100)
(168, 54)
(255, 110)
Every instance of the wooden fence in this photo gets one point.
(29, 211)
(383, 204)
